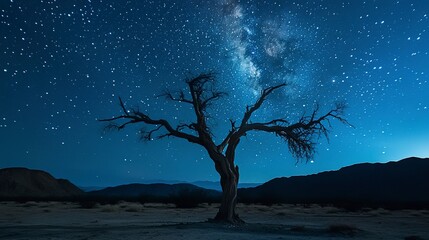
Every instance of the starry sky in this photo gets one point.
(63, 64)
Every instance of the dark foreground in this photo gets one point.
(54, 220)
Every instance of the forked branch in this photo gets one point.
(264, 94)
(300, 136)
(232, 139)
(131, 116)
(177, 97)
(203, 93)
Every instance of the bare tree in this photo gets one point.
(299, 136)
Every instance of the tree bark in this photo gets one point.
(229, 177)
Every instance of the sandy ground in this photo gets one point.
(52, 220)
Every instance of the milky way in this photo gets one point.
(63, 65)
(269, 48)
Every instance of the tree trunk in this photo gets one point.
(229, 181)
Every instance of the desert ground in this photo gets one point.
(59, 220)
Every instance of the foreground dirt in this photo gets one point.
(52, 220)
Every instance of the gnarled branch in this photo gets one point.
(204, 93)
(178, 97)
(233, 137)
(251, 109)
(225, 142)
(135, 116)
(300, 136)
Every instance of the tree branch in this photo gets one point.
(299, 136)
(264, 94)
(203, 93)
(123, 106)
(180, 98)
(147, 136)
(214, 96)
(225, 142)
(135, 116)
(233, 138)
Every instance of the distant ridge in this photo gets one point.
(157, 190)
(405, 181)
(216, 185)
(26, 183)
(210, 185)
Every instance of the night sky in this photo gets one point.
(63, 64)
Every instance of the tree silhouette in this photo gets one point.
(202, 94)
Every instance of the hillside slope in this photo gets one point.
(405, 181)
(157, 190)
(26, 183)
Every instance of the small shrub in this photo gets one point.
(108, 210)
(132, 209)
(268, 201)
(413, 237)
(187, 198)
(343, 229)
(281, 214)
(29, 204)
(297, 229)
(87, 204)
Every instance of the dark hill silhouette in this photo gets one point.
(216, 185)
(405, 181)
(402, 182)
(26, 183)
(156, 190)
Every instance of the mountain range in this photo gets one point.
(155, 190)
(26, 183)
(212, 185)
(405, 181)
